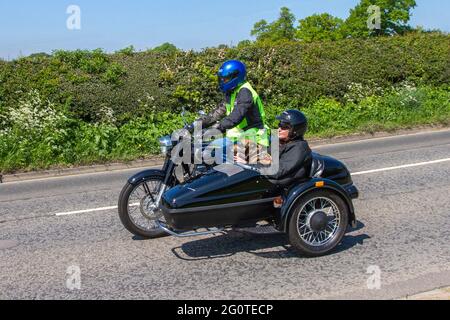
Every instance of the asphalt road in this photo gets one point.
(403, 232)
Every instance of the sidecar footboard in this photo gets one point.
(194, 233)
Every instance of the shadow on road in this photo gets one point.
(269, 246)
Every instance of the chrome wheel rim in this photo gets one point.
(308, 211)
(141, 205)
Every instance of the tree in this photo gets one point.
(393, 18)
(320, 27)
(38, 56)
(128, 51)
(166, 47)
(422, 29)
(244, 44)
(279, 30)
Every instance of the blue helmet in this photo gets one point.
(231, 75)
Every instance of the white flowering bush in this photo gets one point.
(33, 114)
(357, 92)
(31, 133)
(4, 128)
(106, 115)
(408, 95)
(147, 104)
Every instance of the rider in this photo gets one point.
(241, 114)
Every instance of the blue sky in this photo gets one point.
(29, 26)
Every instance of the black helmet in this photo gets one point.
(297, 121)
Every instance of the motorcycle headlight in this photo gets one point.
(165, 144)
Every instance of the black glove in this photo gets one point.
(190, 128)
(217, 126)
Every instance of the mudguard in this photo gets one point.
(143, 175)
(347, 193)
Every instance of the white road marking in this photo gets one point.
(353, 174)
(85, 211)
(93, 210)
(401, 167)
(389, 137)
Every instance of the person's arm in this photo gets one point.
(244, 102)
(215, 116)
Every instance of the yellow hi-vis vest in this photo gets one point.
(259, 136)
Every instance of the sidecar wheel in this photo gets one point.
(318, 223)
(134, 204)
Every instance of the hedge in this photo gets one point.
(291, 75)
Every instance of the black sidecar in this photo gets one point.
(313, 212)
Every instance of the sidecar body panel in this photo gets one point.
(219, 199)
(232, 196)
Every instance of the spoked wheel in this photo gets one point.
(318, 223)
(137, 209)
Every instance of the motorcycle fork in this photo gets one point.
(168, 169)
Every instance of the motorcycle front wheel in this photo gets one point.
(137, 210)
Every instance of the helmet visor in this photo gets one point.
(228, 78)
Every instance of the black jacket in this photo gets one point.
(244, 108)
(295, 162)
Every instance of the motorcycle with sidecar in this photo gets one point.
(194, 200)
